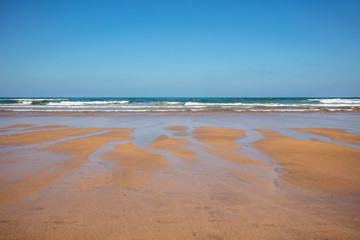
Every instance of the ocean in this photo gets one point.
(178, 104)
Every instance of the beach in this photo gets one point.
(182, 175)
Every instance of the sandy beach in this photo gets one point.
(211, 175)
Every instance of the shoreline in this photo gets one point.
(354, 110)
(164, 113)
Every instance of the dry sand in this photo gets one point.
(195, 185)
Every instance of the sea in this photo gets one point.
(179, 104)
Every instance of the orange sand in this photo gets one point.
(315, 165)
(132, 193)
(177, 128)
(21, 125)
(79, 149)
(334, 134)
(43, 136)
(223, 142)
(177, 147)
(15, 126)
(45, 127)
(133, 165)
(219, 137)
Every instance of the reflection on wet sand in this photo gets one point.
(187, 183)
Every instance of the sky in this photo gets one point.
(198, 48)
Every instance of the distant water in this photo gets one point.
(178, 104)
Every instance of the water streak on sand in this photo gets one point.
(177, 177)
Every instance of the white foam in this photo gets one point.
(336, 101)
(211, 104)
(173, 103)
(25, 102)
(169, 110)
(79, 103)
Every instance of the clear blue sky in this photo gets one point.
(180, 48)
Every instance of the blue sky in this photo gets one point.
(180, 48)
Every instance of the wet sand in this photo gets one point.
(335, 134)
(215, 176)
(319, 166)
